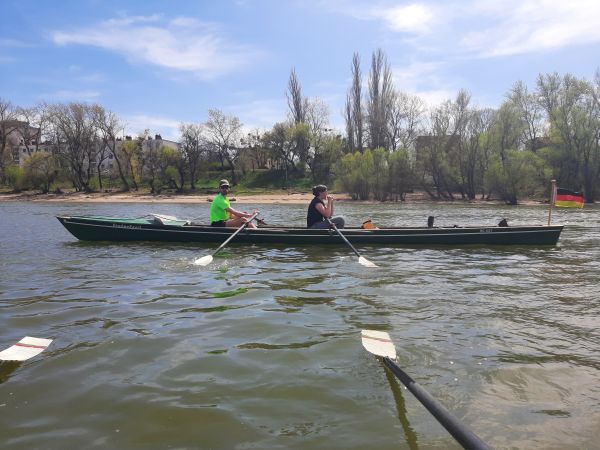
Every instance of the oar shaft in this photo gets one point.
(457, 429)
(244, 225)
(343, 237)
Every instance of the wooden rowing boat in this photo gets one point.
(170, 229)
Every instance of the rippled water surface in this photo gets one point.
(261, 349)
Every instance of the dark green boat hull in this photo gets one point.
(93, 228)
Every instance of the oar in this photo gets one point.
(361, 259)
(380, 344)
(206, 260)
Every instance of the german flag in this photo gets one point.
(568, 199)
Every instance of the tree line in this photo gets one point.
(392, 143)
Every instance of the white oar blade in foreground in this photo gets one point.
(204, 261)
(365, 262)
(378, 343)
(26, 348)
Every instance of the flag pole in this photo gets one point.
(552, 196)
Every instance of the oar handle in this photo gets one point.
(244, 225)
(455, 427)
(342, 236)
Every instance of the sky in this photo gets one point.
(158, 64)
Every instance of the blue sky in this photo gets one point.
(160, 63)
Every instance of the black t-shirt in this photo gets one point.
(313, 215)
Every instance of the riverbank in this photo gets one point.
(283, 197)
(144, 197)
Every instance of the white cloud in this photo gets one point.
(534, 25)
(482, 28)
(180, 44)
(413, 18)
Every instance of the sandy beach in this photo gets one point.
(133, 197)
(273, 198)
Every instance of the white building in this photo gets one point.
(24, 140)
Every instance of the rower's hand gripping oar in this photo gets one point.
(361, 259)
(380, 344)
(206, 260)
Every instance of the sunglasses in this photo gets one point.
(224, 187)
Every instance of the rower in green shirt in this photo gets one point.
(221, 211)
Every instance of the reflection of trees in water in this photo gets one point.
(7, 368)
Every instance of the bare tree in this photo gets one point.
(432, 157)
(296, 103)
(193, 147)
(353, 113)
(103, 152)
(109, 125)
(380, 99)
(347, 113)
(74, 127)
(35, 126)
(317, 119)
(224, 133)
(473, 152)
(405, 120)
(461, 115)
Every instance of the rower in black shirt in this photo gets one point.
(317, 211)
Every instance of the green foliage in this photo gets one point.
(288, 145)
(520, 175)
(375, 173)
(401, 174)
(40, 170)
(325, 153)
(15, 177)
(262, 180)
(164, 167)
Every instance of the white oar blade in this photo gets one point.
(204, 261)
(365, 262)
(26, 348)
(378, 343)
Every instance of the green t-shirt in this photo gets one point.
(218, 207)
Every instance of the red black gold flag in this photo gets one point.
(568, 199)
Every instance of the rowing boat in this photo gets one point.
(170, 229)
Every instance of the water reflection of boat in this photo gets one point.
(170, 229)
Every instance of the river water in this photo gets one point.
(261, 349)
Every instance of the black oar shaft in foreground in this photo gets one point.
(455, 427)
(380, 344)
(205, 260)
(361, 259)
